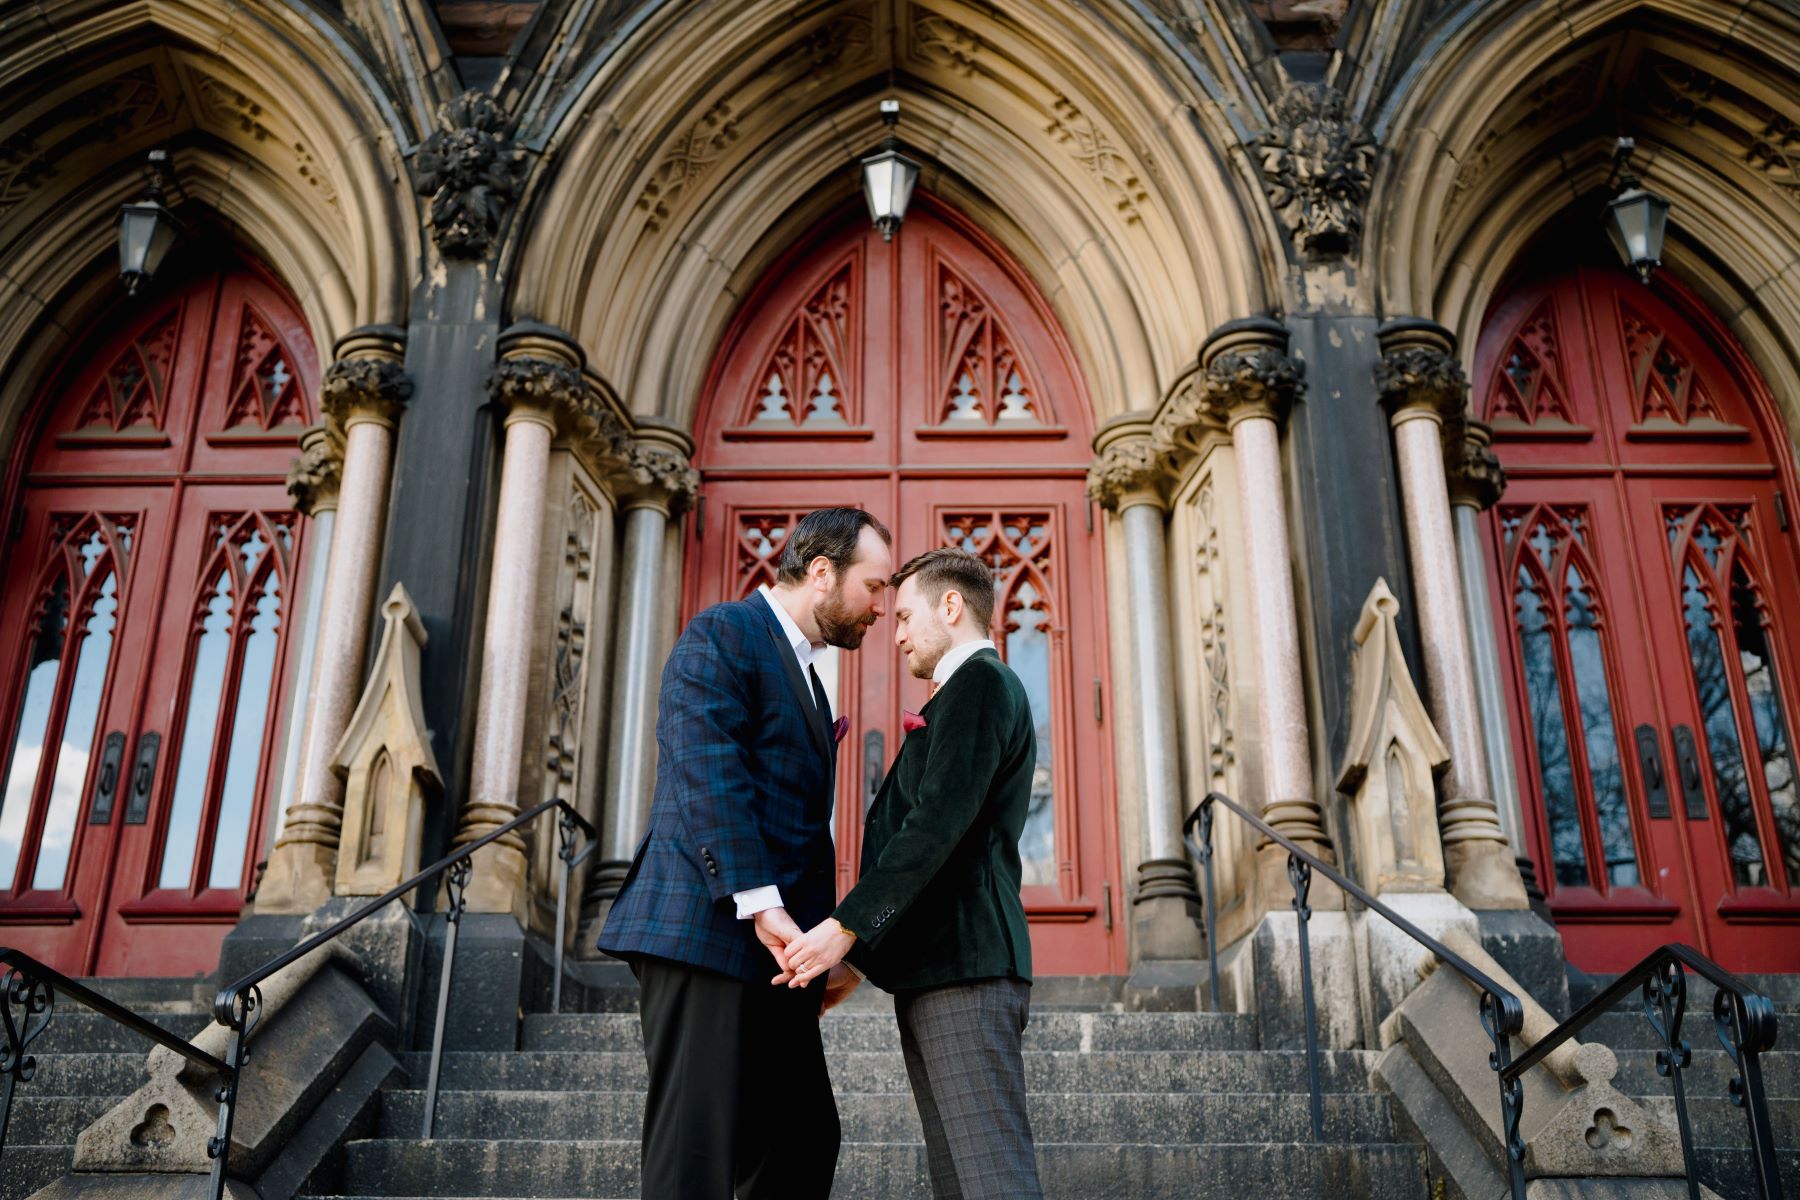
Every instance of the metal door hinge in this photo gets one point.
(1781, 517)
(1106, 902)
(699, 514)
(1099, 703)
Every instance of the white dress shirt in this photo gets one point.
(955, 657)
(755, 900)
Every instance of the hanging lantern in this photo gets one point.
(888, 177)
(1636, 218)
(147, 229)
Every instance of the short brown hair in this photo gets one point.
(948, 569)
(831, 532)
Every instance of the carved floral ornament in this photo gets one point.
(314, 477)
(1316, 165)
(1422, 377)
(473, 171)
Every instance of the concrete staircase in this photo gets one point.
(1144, 1106)
(87, 1064)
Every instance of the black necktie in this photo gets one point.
(821, 702)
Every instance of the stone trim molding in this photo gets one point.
(1472, 469)
(1419, 374)
(315, 476)
(541, 376)
(367, 381)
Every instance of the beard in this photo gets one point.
(838, 625)
(929, 648)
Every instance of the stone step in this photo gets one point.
(1718, 1122)
(1632, 1030)
(1045, 1071)
(79, 1031)
(877, 1031)
(1709, 1075)
(52, 1120)
(892, 1117)
(27, 1169)
(1727, 1170)
(896, 1171)
(110, 1074)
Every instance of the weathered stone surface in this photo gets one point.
(1393, 962)
(1335, 972)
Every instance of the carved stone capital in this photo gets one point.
(313, 478)
(539, 376)
(1471, 467)
(1127, 468)
(473, 172)
(655, 469)
(1316, 166)
(1245, 371)
(366, 382)
(1419, 373)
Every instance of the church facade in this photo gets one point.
(1327, 454)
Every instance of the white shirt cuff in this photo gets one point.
(756, 900)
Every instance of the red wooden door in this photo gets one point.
(145, 612)
(925, 380)
(1646, 569)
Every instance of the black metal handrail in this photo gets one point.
(29, 986)
(1743, 1019)
(28, 1001)
(1502, 1013)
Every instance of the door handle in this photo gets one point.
(1687, 767)
(874, 755)
(143, 776)
(1650, 759)
(106, 787)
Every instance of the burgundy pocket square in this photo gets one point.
(910, 720)
(839, 728)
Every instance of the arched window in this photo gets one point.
(143, 627)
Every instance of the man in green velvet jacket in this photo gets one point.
(936, 918)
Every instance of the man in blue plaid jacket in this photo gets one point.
(739, 860)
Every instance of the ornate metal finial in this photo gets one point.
(473, 171)
(1316, 165)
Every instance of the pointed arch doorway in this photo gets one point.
(925, 380)
(1645, 566)
(152, 557)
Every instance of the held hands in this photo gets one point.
(838, 986)
(809, 955)
(775, 929)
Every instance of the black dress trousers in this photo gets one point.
(740, 1100)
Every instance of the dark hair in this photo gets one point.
(831, 532)
(940, 571)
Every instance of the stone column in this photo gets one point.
(1248, 382)
(313, 481)
(655, 486)
(536, 383)
(1421, 386)
(1127, 477)
(1476, 482)
(363, 393)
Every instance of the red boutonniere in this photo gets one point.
(839, 728)
(910, 720)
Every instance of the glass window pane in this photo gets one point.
(1028, 653)
(1774, 739)
(205, 684)
(1719, 720)
(237, 802)
(1556, 773)
(27, 749)
(1605, 768)
(77, 740)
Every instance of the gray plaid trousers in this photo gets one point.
(962, 1044)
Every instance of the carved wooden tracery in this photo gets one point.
(1566, 662)
(982, 378)
(811, 375)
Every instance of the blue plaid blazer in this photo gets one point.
(745, 764)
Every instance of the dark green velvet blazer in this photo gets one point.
(938, 901)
